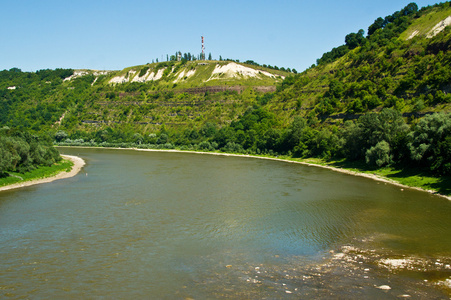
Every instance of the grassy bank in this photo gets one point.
(39, 173)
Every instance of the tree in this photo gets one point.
(353, 40)
(431, 142)
(336, 89)
(138, 138)
(5, 158)
(163, 139)
(411, 8)
(60, 136)
(295, 133)
(384, 126)
(379, 155)
(373, 128)
(209, 56)
(378, 24)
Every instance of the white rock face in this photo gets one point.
(184, 74)
(226, 71)
(439, 27)
(156, 76)
(118, 79)
(233, 70)
(149, 76)
(80, 73)
(414, 34)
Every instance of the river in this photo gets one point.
(189, 226)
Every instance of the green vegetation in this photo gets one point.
(39, 173)
(24, 156)
(23, 152)
(380, 102)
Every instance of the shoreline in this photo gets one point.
(78, 164)
(340, 170)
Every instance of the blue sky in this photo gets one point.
(112, 35)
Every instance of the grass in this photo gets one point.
(418, 178)
(39, 173)
(424, 24)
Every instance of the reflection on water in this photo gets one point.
(170, 225)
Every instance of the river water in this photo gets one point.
(163, 225)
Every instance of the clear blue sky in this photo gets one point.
(115, 34)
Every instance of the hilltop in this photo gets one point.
(189, 74)
(196, 73)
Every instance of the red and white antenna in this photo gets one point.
(203, 48)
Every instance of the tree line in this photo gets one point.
(382, 31)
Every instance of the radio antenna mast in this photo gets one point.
(203, 48)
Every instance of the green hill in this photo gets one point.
(144, 97)
(404, 64)
(381, 99)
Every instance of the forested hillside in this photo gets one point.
(399, 64)
(382, 98)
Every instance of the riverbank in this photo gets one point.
(78, 164)
(292, 160)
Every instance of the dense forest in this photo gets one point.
(22, 152)
(382, 99)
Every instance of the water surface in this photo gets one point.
(183, 225)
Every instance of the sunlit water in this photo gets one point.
(145, 225)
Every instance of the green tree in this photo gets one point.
(60, 136)
(372, 129)
(378, 24)
(138, 138)
(294, 134)
(379, 155)
(431, 142)
(6, 157)
(353, 40)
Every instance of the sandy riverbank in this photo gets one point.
(78, 164)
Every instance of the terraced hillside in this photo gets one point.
(144, 97)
